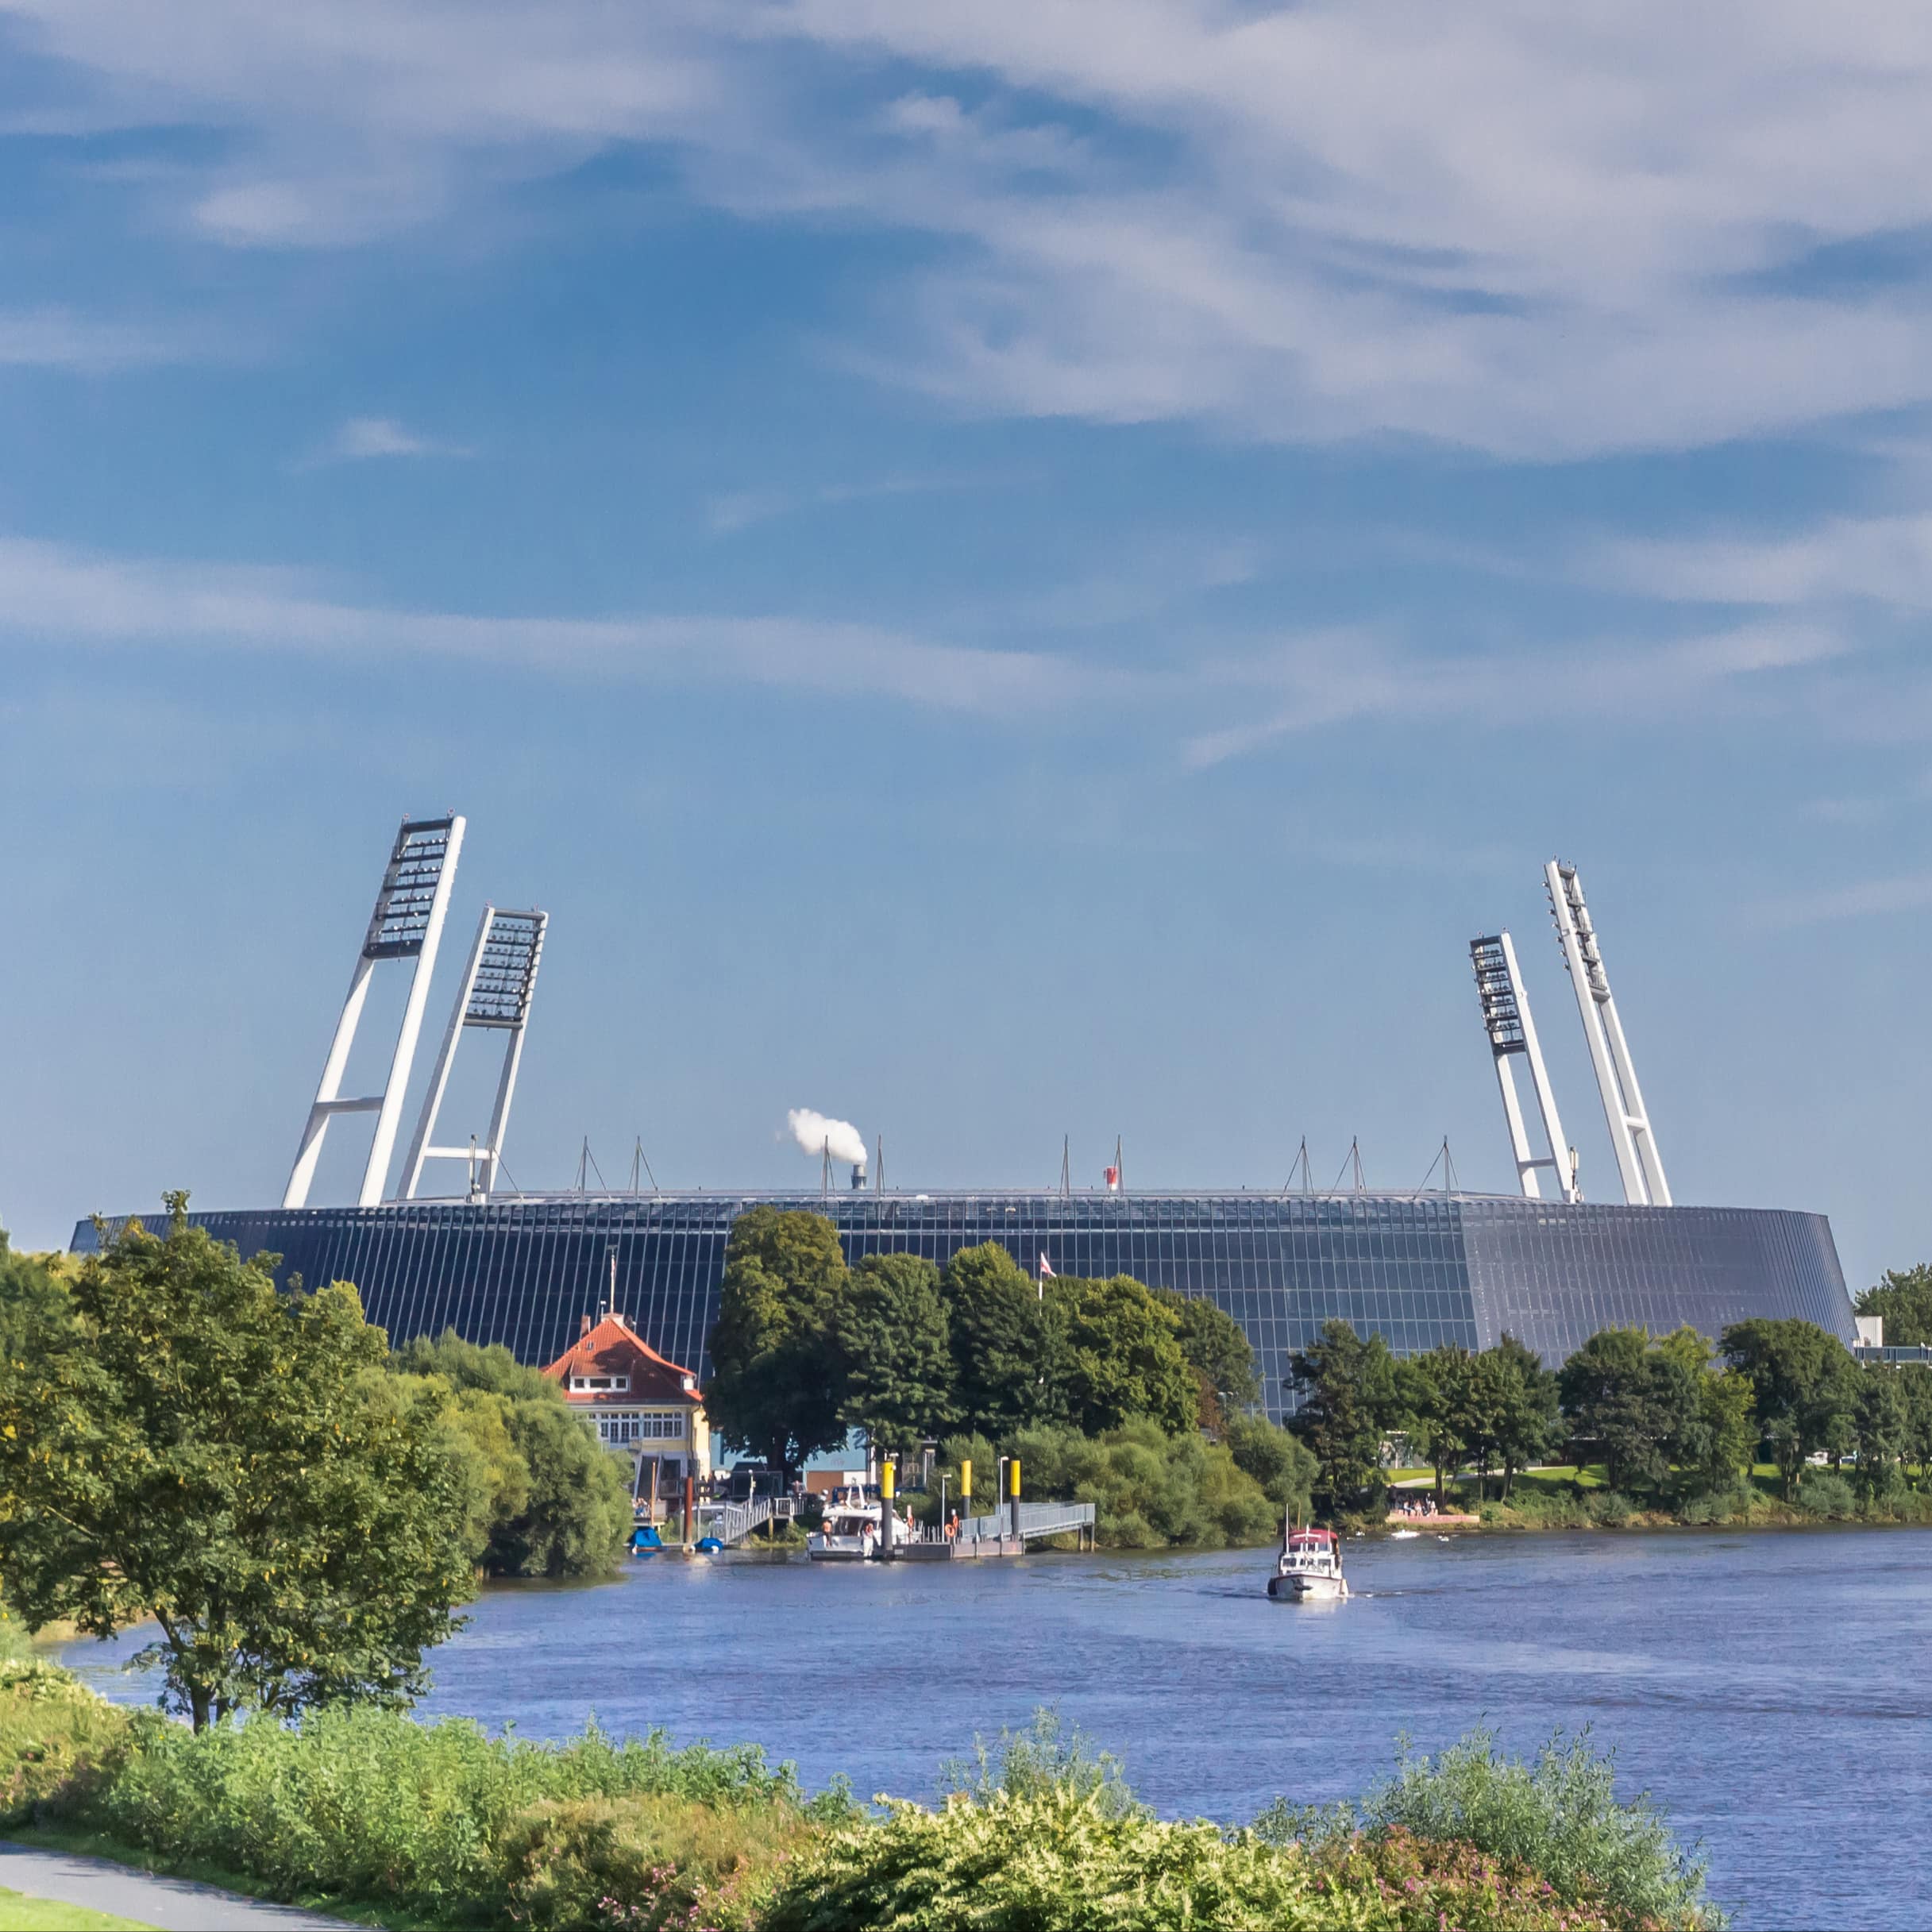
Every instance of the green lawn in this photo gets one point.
(19, 1913)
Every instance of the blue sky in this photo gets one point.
(1005, 571)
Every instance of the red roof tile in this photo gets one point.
(613, 1348)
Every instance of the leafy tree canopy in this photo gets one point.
(1276, 1459)
(1008, 1345)
(195, 1447)
(1637, 1404)
(1903, 1296)
(547, 1499)
(1123, 1357)
(777, 1385)
(1804, 1383)
(892, 1343)
(1218, 1352)
(1349, 1398)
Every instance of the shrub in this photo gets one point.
(647, 1862)
(1560, 1817)
(1152, 1490)
(1609, 1508)
(1821, 1493)
(1045, 1837)
(373, 1805)
(58, 1739)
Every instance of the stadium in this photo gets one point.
(1420, 1268)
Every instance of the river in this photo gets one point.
(1769, 1690)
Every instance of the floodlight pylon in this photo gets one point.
(498, 987)
(1638, 1162)
(1512, 1031)
(407, 924)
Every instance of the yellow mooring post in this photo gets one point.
(885, 1508)
(1012, 1490)
(966, 1488)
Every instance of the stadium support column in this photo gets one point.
(1637, 1159)
(1512, 1032)
(499, 985)
(407, 924)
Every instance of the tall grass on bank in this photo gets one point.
(1560, 1817)
(441, 1817)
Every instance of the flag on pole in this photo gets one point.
(1113, 1176)
(1046, 1269)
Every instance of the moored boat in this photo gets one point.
(1309, 1569)
(850, 1530)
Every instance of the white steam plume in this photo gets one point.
(814, 1134)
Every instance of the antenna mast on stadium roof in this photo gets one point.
(1637, 1159)
(407, 924)
(1512, 1031)
(498, 987)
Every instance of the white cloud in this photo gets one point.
(51, 592)
(1884, 560)
(1866, 898)
(363, 438)
(57, 339)
(1544, 234)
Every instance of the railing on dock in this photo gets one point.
(731, 1522)
(1036, 1519)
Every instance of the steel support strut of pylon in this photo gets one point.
(1512, 1031)
(499, 986)
(406, 923)
(1639, 1164)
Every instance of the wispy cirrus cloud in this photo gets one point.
(363, 439)
(1541, 235)
(56, 593)
(61, 338)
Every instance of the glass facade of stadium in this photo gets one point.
(1418, 1269)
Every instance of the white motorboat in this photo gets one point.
(1403, 1536)
(1309, 1569)
(850, 1530)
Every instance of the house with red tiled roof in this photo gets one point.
(638, 1402)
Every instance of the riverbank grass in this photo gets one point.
(21, 1913)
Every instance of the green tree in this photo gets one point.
(1220, 1355)
(1123, 1356)
(33, 1299)
(196, 1448)
(1432, 1391)
(555, 1503)
(1349, 1396)
(1722, 1445)
(1880, 1426)
(1637, 1403)
(1804, 1383)
(775, 1385)
(1276, 1459)
(897, 1368)
(1521, 1406)
(1903, 1296)
(1008, 1345)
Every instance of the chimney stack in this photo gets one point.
(585, 1328)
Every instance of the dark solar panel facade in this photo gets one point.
(1417, 1269)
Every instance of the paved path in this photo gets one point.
(174, 1904)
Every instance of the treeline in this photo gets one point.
(1136, 1399)
(1670, 1418)
(806, 1350)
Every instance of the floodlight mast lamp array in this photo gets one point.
(498, 987)
(1512, 1032)
(407, 924)
(1637, 1159)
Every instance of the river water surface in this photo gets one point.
(1773, 1691)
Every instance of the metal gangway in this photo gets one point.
(1036, 1520)
(731, 1522)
